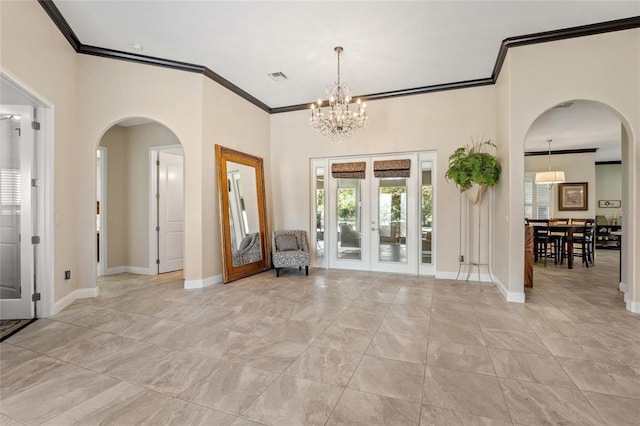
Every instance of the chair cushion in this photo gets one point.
(286, 242)
(245, 242)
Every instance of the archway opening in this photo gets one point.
(586, 141)
(139, 199)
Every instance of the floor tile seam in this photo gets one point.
(424, 372)
(335, 405)
(504, 398)
(395, 398)
(516, 350)
(558, 357)
(177, 397)
(184, 399)
(14, 419)
(495, 376)
(580, 392)
(394, 359)
(468, 413)
(613, 355)
(539, 383)
(626, 397)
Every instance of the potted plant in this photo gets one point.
(473, 169)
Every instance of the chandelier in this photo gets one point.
(550, 177)
(339, 122)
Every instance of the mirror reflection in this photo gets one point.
(242, 213)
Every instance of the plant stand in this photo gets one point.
(474, 259)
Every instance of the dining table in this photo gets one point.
(567, 230)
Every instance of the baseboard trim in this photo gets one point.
(81, 293)
(193, 284)
(632, 306)
(128, 269)
(484, 278)
(622, 287)
(510, 296)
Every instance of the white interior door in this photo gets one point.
(16, 219)
(170, 211)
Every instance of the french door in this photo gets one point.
(374, 220)
(16, 219)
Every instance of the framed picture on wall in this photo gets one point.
(573, 196)
(609, 204)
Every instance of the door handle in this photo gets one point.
(375, 229)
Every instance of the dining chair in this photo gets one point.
(545, 245)
(583, 242)
(561, 237)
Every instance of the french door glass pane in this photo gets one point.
(426, 216)
(320, 211)
(392, 219)
(349, 219)
(10, 209)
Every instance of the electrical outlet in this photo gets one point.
(67, 275)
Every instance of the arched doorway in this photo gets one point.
(139, 199)
(587, 141)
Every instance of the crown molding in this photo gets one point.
(561, 34)
(61, 23)
(64, 27)
(560, 152)
(542, 37)
(399, 93)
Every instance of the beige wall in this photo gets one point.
(110, 91)
(128, 197)
(115, 208)
(504, 259)
(439, 121)
(608, 187)
(603, 68)
(33, 50)
(577, 168)
(234, 123)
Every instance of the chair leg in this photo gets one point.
(306, 270)
(277, 272)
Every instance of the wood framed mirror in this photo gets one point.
(243, 214)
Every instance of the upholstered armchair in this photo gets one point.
(290, 249)
(249, 250)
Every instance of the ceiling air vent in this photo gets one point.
(277, 76)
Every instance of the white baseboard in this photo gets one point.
(193, 284)
(510, 296)
(622, 287)
(128, 269)
(444, 275)
(81, 293)
(633, 306)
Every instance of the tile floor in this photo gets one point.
(332, 348)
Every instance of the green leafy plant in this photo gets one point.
(472, 164)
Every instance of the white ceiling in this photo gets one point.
(389, 45)
(577, 125)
